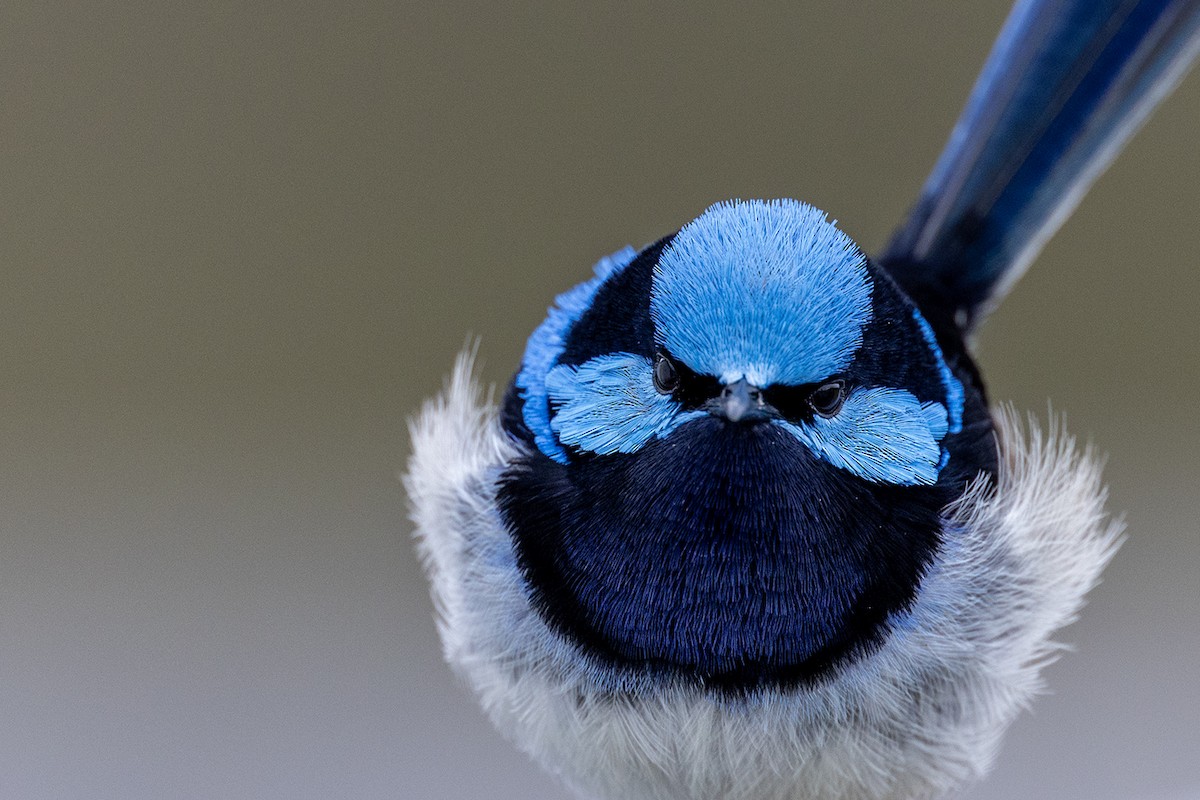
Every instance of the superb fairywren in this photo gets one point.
(744, 525)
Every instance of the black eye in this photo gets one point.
(827, 398)
(666, 377)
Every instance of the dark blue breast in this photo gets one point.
(725, 552)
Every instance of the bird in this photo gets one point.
(745, 524)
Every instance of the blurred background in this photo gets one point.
(241, 242)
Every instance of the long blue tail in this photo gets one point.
(1067, 84)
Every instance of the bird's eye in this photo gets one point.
(666, 377)
(827, 398)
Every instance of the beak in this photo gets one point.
(740, 401)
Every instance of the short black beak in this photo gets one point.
(741, 401)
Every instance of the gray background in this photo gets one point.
(241, 242)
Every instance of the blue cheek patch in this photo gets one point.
(880, 435)
(546, 344)
(769, 291)
(609, 405)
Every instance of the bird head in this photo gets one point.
(738, 445)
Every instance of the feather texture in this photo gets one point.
(770, 291)
(918, 715)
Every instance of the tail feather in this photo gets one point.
(1067, 84)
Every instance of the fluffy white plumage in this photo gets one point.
(918, 716)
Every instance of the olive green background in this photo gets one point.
(239, 243)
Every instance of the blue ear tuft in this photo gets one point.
(770, 291)
(609, 404)
(880, 435)
(546, 344)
